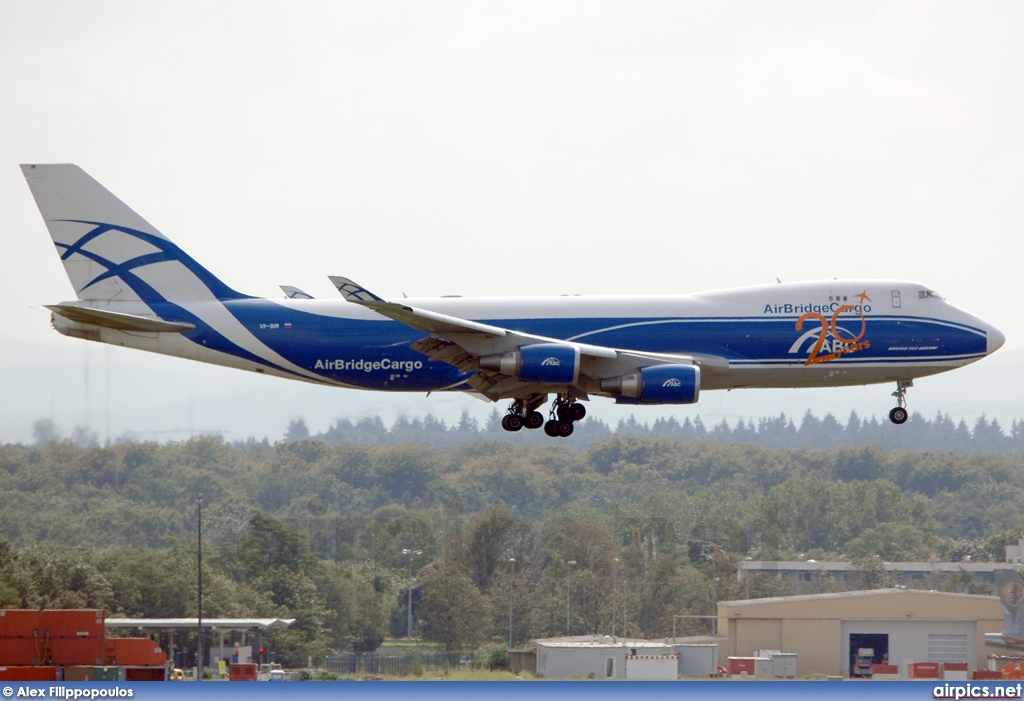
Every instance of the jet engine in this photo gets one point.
(657, 384)
(548, 363)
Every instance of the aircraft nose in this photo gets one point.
(995, 339)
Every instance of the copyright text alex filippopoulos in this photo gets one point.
(65, 692)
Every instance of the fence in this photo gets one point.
(396, 664)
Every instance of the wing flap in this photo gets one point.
(117, 320)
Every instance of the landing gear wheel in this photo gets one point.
(511, 422)
(534, 419)
(564, 429)
(551, 428)
(898, 415)
(577, 412)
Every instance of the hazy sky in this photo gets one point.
(545, 147)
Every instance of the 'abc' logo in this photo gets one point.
(672, 382)
(551, 361)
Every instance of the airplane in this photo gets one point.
(1010, 587)
(136, 288)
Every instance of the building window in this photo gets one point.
(609, 667)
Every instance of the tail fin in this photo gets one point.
(1010, 587)
(110, 252)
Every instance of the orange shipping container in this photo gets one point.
(77, 651)
(73, 623)
(134, 652)
(28, 674)
(19, 623)
(21, 651)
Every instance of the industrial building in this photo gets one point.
(812, 576)
(826, 630)
(604, 657)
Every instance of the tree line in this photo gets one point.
(941, 432)
(315, 531)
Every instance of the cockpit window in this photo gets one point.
(929, 294)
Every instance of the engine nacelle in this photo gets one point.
(658, 384)
(547, 363)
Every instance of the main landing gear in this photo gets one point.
(898, 415)
(523, 412)
(565, 411)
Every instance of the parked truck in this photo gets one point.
(862, 662)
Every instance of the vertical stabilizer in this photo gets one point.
(1010, 587)
(109, 252)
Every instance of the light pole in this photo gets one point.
(714, 606)
(568, 569)
(511, 575)
(615, 592)
(199, 562)
(409, 553)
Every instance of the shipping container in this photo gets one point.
(784, 665)
(242, 672)
(19, 623)
(28, 674)
(955, 671)
(134, 652)
(106, 674)
(22, 651)
(78, 674)
(987, 674)
(924, 670)
(73, 623)
(741, 665)
(144, 674)
(77, 651)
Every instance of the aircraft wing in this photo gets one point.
(474, 347)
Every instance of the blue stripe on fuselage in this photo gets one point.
(376, 354)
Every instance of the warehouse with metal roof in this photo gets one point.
(826, 630)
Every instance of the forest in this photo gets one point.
(639, 525)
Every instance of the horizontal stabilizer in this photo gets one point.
(117, 320)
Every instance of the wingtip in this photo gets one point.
(353, 292)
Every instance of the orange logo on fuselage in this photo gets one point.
(841, 346)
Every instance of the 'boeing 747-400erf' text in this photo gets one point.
(137, 289)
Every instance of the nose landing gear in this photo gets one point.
(899, 414)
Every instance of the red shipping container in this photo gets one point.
(21, 651)
(77, 651)
(738, 665)
(885, 669)
(134, 652)
(924, 670)
(987, 674)
(28, 674)
(145, 674)
(19, 623)
(242, 672)
(73, 623)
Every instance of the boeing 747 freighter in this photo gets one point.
(136, 288)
